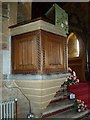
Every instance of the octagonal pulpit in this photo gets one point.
(39, 51)
(39, 61)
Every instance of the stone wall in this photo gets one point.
(0, 52)
(11, 93)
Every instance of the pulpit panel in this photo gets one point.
(25, 53)
(54, 52)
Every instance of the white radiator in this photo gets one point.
(7, 109)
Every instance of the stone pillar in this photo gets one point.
(24, 11)
(13, 13)
(0, 51)
(28, 10)
(88, 45)
(88, 59)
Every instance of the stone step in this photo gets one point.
(61, 91)
(62, 107)
(60, 97)
(58, 107)
(70, 114)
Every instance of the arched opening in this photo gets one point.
(76, 55)
(73, 46)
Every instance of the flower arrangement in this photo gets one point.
(79, 105)
(72, 79)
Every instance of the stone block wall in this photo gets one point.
(12, 93)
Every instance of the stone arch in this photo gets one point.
(73, 39)
(77, 63)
